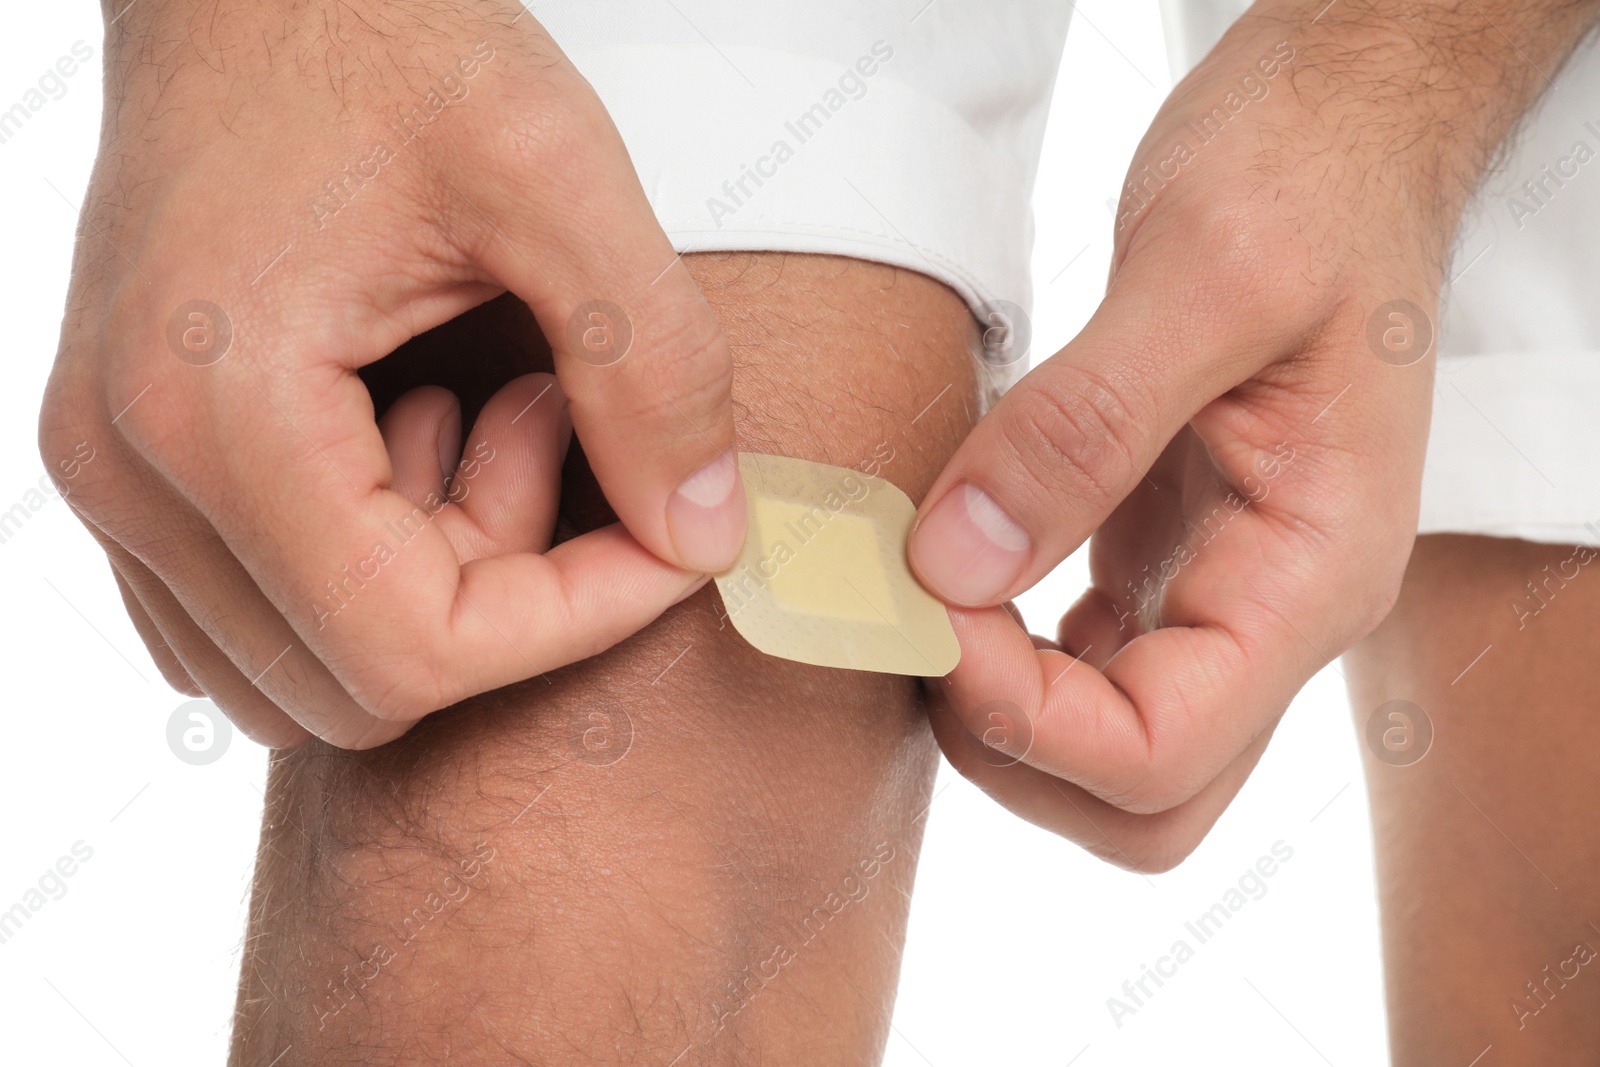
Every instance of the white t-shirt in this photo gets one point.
(909, 133)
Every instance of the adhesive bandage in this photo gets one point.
(823, 577)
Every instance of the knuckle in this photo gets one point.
(74, 450)
(1166, 772)
(1155, 794)
(691, 362)
(397, 686)
(684, 374)
(554, 133)
(1228, 233)
(393, 695)
(66, 447)
(363, 743)
(1154, 849)
(1390, 580)
(139, 410)
(172, 669)
(1254, 263)
(1079, 436)
(1230, 236)
(1379, 603)
(361, 737)
(545, 154)
(1151, 787)
(1373, 564)
(174, 675)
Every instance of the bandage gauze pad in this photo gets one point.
(823, 577)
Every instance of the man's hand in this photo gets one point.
(286, 193)
(1241, 425)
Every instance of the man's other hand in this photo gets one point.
(286, 193)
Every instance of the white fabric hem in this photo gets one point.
(893, 175)
(1510, 452)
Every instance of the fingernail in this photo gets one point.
(449, 443)
(968, 550)
(706, 517)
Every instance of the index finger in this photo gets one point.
(291, 471)
(1172, 708)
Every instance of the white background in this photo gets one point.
(1017, 938)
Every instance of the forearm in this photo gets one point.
(681, 846)
(1382, 114)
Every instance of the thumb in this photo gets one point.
(1072, 439)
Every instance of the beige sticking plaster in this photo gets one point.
(823, 577)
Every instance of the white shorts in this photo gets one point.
(910, 134)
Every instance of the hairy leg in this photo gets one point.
(1488, 856)
(681, 851)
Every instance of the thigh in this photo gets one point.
(1487, 851)
(679, 848)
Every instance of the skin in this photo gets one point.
(1248, 462)
(241, 479)
(1488, 865)
(620, 900)
(1235, 328)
